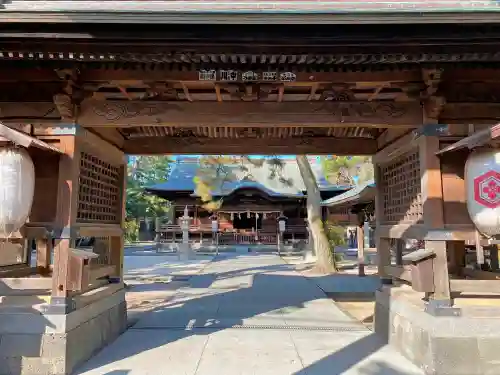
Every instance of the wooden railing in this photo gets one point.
(402, 273)
(173, 233)
(84, 274)
(476, 281)
(249, 238)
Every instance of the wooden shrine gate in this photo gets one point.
(81, 102)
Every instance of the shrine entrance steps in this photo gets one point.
(248, 314)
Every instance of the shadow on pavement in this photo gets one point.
(271, 297)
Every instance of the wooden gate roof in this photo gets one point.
(169, 11)
(243, 89)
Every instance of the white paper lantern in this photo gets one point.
(17, 188)
(482, 177)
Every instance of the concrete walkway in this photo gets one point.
(248, 314)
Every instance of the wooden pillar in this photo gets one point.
(361, 250)
(117, 243)
(456, 254)
(43, 254)
(494, 257)
(67, 201)
(400, 244)
(383, 244)
(433, 217)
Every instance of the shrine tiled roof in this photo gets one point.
(182, 175)
(361, 193)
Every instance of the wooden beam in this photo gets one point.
(12, 286)
(460, 112)
(194, 145)
(396, 148)
(28, 111)
(475, 286)
(111, 135)
(422, 232)
(471, 75)
(480, 275)
(97, 113)
(97, 230)
(29, 75)
(399, 272)
(93, 295)
(105, 75)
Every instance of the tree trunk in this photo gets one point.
(325, 261)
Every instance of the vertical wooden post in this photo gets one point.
(43, 254)
(361, 250)
(494, 257)
(399, 251)
(383, 244)
(433, 216)
(479, 250)
(67, 206)
(117, 243)
(456, 253)
(158, 232)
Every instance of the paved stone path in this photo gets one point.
(248, 314)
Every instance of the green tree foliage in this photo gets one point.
(348, 170)
(213, 173)
(145, 171)
(141, 173)
(216, 171)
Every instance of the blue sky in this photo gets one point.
(252, 156)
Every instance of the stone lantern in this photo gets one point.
(185, 251)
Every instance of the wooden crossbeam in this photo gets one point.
(154, 113)
(107, 75)
(195, 145)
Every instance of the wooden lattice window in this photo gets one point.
(99, 191)
(401, 189)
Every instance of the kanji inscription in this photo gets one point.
(487, 189)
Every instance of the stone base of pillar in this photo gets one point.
(447, 345)
(33, 342)
(186, 252)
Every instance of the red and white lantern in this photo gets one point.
(17, 188)
(482, 177)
